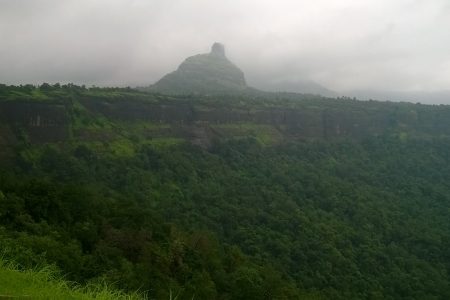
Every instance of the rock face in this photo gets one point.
(204, 73)
(40, 122)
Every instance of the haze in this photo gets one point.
(352, 47)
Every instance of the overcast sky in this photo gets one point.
(342, 44)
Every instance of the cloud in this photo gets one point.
(344, 45)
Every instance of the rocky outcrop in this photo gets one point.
(203, 74)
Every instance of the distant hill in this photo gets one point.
(295, 86)
(214, 73)
(432, 97)
(203, 73)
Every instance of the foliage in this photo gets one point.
(252, 217)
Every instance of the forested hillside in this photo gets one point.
(257, 196)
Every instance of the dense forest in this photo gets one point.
(255, 210)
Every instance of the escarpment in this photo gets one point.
(200, 122)
(37, 122)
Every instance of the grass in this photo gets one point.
(122, 147)
(265, 134)
(164, 141)
(45, 283)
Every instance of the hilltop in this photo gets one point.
(204, 73)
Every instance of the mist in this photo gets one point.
(369, 49)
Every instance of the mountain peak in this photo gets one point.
(218, 49)
(203, 74)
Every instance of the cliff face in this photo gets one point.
(201, 123)
(40, 122)
(290, 122)
(204, 73)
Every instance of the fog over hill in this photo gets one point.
(139, 154)
(425, 97)
(375, 45)
(204, 73)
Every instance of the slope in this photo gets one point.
(290, 198)
(44, 283)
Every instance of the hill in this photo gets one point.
(204, 73)
(274, 196)
(294, 86)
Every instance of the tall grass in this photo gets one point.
(46, 283)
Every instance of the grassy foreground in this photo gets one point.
(44, 283)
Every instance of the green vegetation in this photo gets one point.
(45, 283)
(256, 214)
(265, 134)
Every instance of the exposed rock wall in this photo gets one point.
(321, 123)
(39, 122)
(46, 122)
(128, 111)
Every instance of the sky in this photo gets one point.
(345, 45)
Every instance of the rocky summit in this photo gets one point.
(204, 73)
